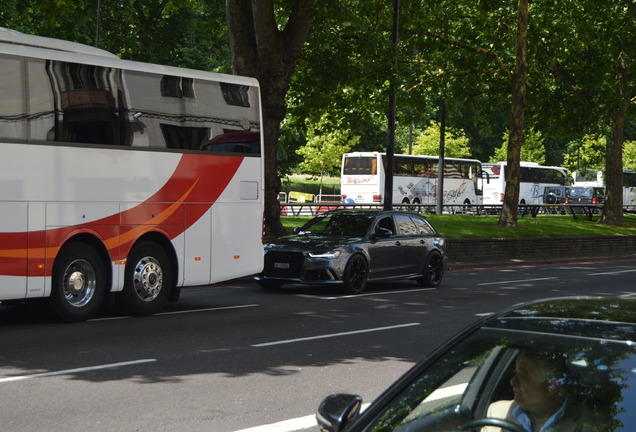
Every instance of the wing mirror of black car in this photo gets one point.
(381, 233)
(337, 410)
(296, 230)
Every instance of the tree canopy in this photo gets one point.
(335, 57)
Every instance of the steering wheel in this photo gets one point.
(488, 421)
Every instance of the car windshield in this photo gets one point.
(338, 224)
(597, 377)
(581, 192)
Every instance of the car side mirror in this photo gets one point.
(382, 233)
(296, 230)
(337, 410)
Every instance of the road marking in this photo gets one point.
(516, 281)
(288, 341)
(208, 309)
(291, 425)
(368, 294)
(296, 424)
(77, 370)
(612, 273)
(180, 312)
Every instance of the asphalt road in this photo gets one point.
(233, 358)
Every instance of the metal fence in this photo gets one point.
(584, 210)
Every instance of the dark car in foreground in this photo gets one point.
(589, 343)
(353, 247)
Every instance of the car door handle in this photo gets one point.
(422, 241)
(397, 243)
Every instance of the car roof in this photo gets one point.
(606, 318)
(371, 212)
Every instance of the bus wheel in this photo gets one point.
(356, 274)
(433, 271)
(466, 208)
(148, 279)
(78, 284)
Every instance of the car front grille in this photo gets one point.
(284, 264)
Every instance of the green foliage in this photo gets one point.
(532, 149)
(186, 33)
(455, 142)
(325, 146)
(629, 155)
(589, 153)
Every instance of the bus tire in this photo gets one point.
(356, 274)
(148, 279)
(433, 271)
(78, 283)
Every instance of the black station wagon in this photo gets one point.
(353, 247)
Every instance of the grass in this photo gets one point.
(469, 226)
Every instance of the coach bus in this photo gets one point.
(533, 180)
(122, 179)
(414, 179)
(595, 178)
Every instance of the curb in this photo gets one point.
(492, 252)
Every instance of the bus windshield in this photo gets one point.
(360, 165)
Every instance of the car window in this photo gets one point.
(598, 376)
(386, 223)
(405, 225)
(352, 225)
(423, 227)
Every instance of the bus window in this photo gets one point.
(360, 165)
(237, 142)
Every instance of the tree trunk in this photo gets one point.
(613, 208)
(261, 50)
(510, 208)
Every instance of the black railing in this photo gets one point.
(587, 210)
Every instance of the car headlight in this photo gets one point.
(329, 254)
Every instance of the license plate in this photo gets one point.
(281, 265)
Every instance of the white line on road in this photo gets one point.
(291, 425)
(516, 281)
(77, 370)
(369, 294)
(208, 309)
(181, 312)
(296, 424)
(288, 341)
(612, 273)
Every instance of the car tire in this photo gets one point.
(78, 283)
(269, 285)
(433, 270)
(356, 274)
(148, 279)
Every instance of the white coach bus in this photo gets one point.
(595, 178)
(414, 179)
(533, 180)
(122, 177)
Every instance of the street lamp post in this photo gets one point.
(390, 146)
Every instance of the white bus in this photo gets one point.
(595, 178)
(533, 180)
(122, 177)
(414, 179)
